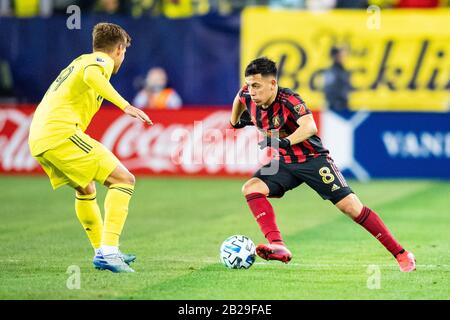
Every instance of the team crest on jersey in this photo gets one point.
(276, 121)
(300, 109)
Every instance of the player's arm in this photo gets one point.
(94, 78)
(307, 128)
(236, 111)
(239, 116)
(304, 118)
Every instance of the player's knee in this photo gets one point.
(130, 178)
(126, 177)
(120, 175)
(245, 189)
(346, 208)
(254, 185)
(350, 205)
(90, 189)
(248, 187)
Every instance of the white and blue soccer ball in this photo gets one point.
(238, 252)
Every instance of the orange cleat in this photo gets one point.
(406, 261)
(274, 252)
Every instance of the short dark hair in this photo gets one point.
(263, 66)
(106, 36)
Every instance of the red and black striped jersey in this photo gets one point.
(282, 116)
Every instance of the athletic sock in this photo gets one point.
(265, 216)
(90, 217)
(108, 250)
(373, 223)
(116, 211)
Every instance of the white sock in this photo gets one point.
(107, 250)
(97, 251)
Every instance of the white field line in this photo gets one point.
(336, 265)
(312, 265)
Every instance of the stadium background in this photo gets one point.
(397, 126)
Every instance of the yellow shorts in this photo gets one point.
(78, 161)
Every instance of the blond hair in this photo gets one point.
(106, 36)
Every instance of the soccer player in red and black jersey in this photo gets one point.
(288, 125)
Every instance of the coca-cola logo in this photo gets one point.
(202, 146)
(14, 151)
(206, 145)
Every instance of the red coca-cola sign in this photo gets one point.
(182, 142)
(15, 155)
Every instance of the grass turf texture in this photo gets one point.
(176, 226)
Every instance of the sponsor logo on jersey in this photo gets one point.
(100, 60)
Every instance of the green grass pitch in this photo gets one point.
(176, 226)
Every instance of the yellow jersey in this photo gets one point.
(69, 104)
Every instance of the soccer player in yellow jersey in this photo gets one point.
(69, 156)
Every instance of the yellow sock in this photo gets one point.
(116, 211)
(90, 217)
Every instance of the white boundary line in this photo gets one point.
(311, 265)
(332, 265)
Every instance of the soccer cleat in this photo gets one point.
(127, 258)
(274, 251)
(406, 261)
(112, 262)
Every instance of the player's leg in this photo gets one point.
(97, 163)
(256, 190)
(371, 221)
(324, 177)
(78, 163)
(368, 219)
(90, 217)
(88, 213)
(68, 164)
(59, 164)
(120, 185)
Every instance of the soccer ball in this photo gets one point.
(237, 252)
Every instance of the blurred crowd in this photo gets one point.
(189, 8)
(155, 91)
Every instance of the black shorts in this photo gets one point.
(320, 173)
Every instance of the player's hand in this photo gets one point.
(242, 123)
(244, 120)
(137, 113)
(267, 142)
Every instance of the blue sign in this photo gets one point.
(200, 55)
(412, 145)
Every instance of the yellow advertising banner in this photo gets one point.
(397, 59)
